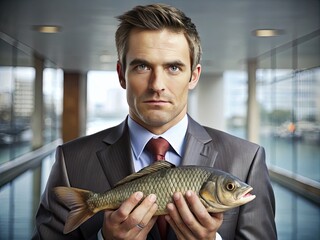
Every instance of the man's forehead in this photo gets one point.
(143, 43)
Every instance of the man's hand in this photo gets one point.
(189, 218)
(131, 220)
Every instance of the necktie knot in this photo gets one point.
(158, 147)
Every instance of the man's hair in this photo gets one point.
(157, 17)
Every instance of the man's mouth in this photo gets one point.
(156, 102)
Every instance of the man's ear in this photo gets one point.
(121, 77)
(195, 75)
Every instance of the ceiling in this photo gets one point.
(88, 28)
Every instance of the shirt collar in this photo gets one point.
(140, 136)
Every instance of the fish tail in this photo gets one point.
(76, 200)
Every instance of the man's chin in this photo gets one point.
(156, 120)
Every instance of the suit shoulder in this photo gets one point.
(95, 137)
(95, 140)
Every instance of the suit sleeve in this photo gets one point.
(256, 219)
(51, 214)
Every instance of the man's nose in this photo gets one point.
(156, 81)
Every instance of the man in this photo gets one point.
(159, 53)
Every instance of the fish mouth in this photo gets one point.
(246, 196)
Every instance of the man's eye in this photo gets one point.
(174, 68)
(142, 67)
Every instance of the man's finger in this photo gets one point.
(198, 209)
(122, 213)
(184, 211)
(176, 220)
(141, 214)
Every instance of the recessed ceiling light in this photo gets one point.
(267, 32)
(47, 28)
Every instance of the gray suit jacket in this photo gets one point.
(99, 161)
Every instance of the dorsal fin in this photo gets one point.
(156, 166)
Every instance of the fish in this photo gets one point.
(218, 191)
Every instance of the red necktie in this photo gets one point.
(158, 147)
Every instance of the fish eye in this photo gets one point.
(230, 186)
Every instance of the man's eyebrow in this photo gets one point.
(138, 61)
(176, 63)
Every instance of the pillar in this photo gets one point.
(253, 115)
(206, 102)
(37, 123)
(74, 105)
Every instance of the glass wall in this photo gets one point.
(236, 95)
(289, 97)
(107, 104)
(53, 94)
(17, 76)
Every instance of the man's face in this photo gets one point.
(157, 78)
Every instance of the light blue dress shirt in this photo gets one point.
(140, 136)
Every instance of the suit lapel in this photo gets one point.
(115, 159)
(199, 146)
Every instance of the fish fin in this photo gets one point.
(76, 200)
(156, 166)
